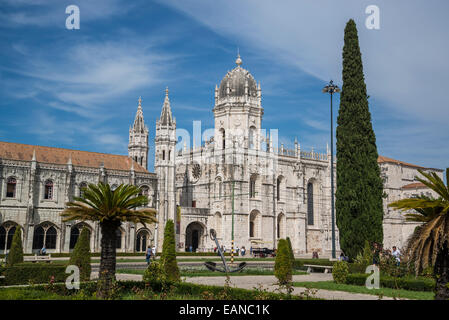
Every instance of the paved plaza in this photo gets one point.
(268, 282)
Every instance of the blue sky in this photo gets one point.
(79, 88)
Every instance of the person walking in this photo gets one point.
(148, 255)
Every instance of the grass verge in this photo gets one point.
(387, 292)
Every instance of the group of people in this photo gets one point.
(379, 252)
(150, 253)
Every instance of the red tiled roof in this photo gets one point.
(414, 185)
(383, 159)
(24, 152)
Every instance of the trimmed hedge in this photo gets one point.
(412, 284)
(24, 273)
(133, 254)
(319, 262)
(181, 288)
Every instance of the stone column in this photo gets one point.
(66, 244)
(29, 238)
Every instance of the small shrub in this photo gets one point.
(16, 252)
(154, 273)
(340, 271)
(282, 264)
(81, 255)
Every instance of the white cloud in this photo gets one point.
(45, 13)
(405, 62)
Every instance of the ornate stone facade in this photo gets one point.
(239, 182)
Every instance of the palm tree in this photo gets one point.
(110, 208)
(429, 244)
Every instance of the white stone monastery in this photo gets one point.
(239, 182)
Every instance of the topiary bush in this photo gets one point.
(24, 273)
(282, 265)
(16, 252)
(340, 271)
(168, 257)
(81, 255)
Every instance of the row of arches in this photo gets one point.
(47, 234)
(196, 230)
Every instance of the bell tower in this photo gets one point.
(164, 167)
(138, 139)
(238, 110)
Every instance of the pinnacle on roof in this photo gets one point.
(166, 115)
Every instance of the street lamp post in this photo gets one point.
(331, 88)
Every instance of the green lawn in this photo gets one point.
(208, 273)
(388, 292)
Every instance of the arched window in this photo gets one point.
(48, 192)
(251, 142)
(169, 154)
(218, 188)
(45, 234)
(223, 138)
(38, 238)
(83, 186)
(280, 225)
(163, 154)
(253, 224)
(6, 235)
(310, 203)
(50, 239)
(11, 187)
(75, 233)
(278, 189)
(118, 242)
(252, 187)
(142, 240)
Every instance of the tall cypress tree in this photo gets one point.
(16, 252)
(359, 210)
(81, 255)
(168, 257)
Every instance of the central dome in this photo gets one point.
(236, 80)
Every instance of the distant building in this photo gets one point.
(278, 192)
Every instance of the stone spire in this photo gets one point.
(166, 115)
(139, 124)
(138, 138)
